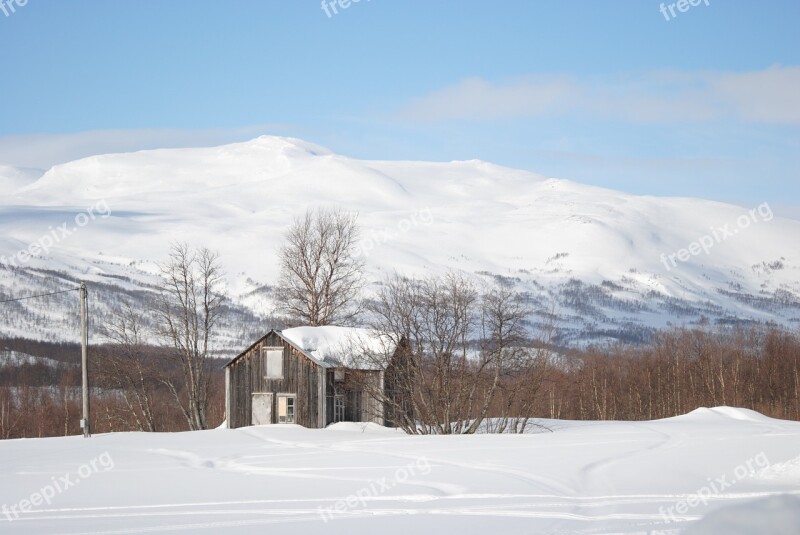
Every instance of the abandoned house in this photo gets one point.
(311, 376)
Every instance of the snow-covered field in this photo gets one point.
(583, 477)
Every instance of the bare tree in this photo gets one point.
(517, 369)
(10, 413)
(190, 307)
(125, 369)
(321, 273)
(461, 358)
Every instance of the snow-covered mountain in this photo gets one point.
(609, 264)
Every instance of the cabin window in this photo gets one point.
(286, 408)
(273, 362)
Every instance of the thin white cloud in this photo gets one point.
(42, 151)
(769, 96)
(475, 98)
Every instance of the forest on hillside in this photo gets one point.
(679, 372)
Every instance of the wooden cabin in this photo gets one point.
(311, 376)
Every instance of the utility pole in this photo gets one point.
(85, 359)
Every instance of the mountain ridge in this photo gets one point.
(608, 261)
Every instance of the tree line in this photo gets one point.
(468, 361)
(681, 370)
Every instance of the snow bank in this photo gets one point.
(775, 515)
(704, 414)
(363, 427)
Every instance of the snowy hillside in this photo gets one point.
(699, 473)
(14, 178)
(610, 264)
(16, 358)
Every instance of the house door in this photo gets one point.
(338, 408)
(262, 409)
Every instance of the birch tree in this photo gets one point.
(321, 271)
(125, 368)
(190, 309)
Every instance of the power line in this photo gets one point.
(84, 313)
(40, 295)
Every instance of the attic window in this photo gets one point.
(273, 362)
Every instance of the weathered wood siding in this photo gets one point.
(314, 388)
(301, 377)
(370, 408)
(360, 405)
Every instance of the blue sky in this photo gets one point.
(610, 93)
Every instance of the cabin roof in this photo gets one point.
(337, 347)
(346, 347)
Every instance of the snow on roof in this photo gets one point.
(348, 347)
